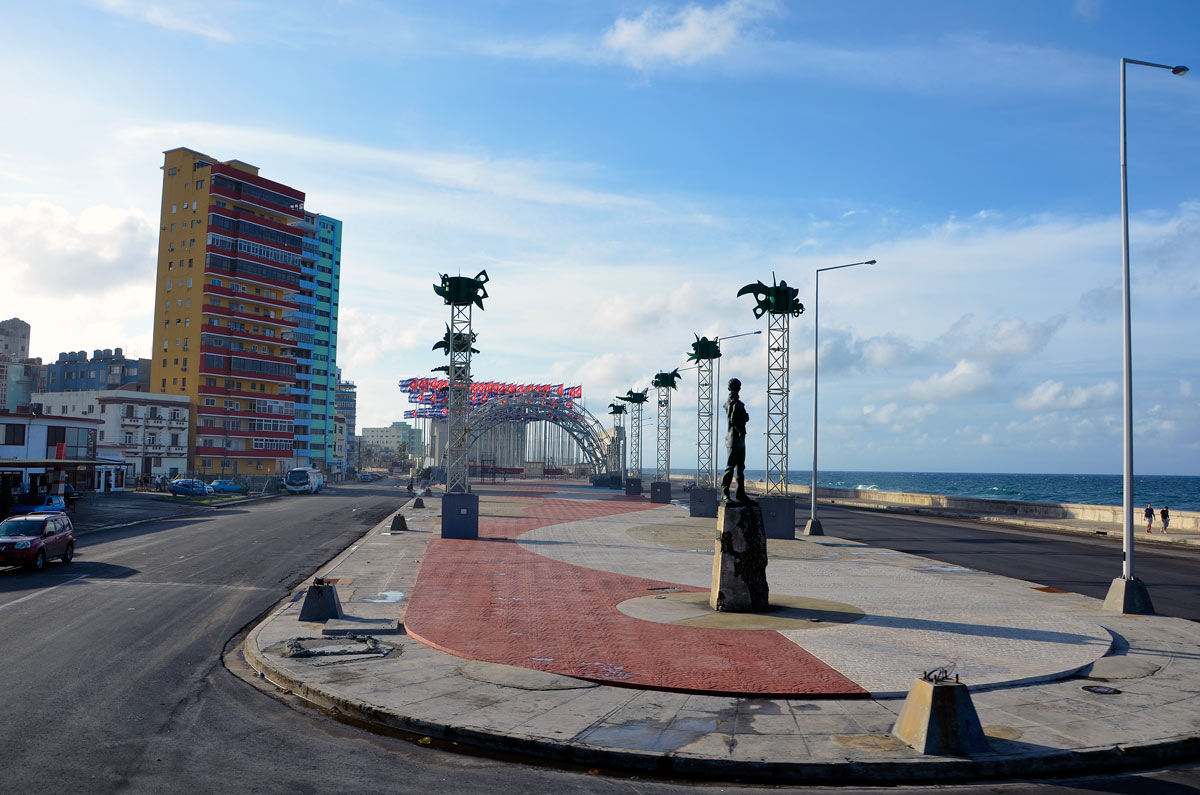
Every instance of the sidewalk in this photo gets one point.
(576, 629)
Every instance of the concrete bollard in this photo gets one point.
(399, 523)
(321, 603)
(938, 718)
(418, 503)
(428, 492)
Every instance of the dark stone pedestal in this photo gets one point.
(1129, 597)
(633, 487)
(460, 516)
(813, 528)
(660, 491)
(779, 516)
(704, 502)
(614, 481)
(739, 581)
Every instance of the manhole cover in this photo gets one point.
(1101, 690)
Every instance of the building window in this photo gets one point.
(128, 437)
(172, 172)
(174, 209)
(199, 184)
(152, 439)
(13, 434)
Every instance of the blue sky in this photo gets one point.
(621, 169)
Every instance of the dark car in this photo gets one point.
(28, 503)
(34, 538)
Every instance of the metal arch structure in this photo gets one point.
(521, 409)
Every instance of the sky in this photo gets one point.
(621, 169)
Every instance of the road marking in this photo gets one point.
(40, 593)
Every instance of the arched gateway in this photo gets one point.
(521, 409)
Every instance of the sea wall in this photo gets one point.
(1101, 514)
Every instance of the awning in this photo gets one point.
(26, 463)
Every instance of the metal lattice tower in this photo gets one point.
(662, 469)
(705, 474)
(778, 376)
(635, 440)
(458, 400)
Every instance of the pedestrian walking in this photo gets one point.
(1166, 518)
(1149, 514)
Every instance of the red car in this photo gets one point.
(34, 538)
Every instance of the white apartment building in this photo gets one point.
(143, 432)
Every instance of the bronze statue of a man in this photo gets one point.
(735, 443)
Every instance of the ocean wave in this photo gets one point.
(859, 487)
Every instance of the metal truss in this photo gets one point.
(662, 470)
(635, 440)
(522, 409)
(778, 342)
(705, 475)
(458, 400)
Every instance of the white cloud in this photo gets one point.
(685, 36)
(964, 379)
(47, 249)
(1054, 395)
(180, 18)
(898, 418)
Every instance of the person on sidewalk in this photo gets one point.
(1149, 514)
(1166, 518)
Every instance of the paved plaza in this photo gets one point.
(576, 629)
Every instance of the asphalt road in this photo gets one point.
(1067, 561)
(114, 675)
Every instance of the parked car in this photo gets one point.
(34, 538)
(28, 503)
(227, 487)
(208, 488)
(186, 487)
(365, 478)
(72, 495)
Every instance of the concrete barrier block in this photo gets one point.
(938, 718)
(633, 487)
(321, 602)
(660, 492)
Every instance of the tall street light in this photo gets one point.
(1128, 594)
(813, 526)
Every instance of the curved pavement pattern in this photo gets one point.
(550, 601)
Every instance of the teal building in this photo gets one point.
(316, 344)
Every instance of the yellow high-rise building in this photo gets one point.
(228, 271)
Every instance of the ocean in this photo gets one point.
(1179, 492)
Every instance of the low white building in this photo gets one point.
(146, 433)
(39, 451)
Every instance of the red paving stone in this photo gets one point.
(490, 599)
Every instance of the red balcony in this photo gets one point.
(221, 411)
(263, 357)
(220, 390)
(229, 212)
(239, 255)
(251, 297)
(221, 452)
(262, 320)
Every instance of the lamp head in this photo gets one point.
(869, 262)
(1179, 70)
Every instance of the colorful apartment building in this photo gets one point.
(316, 342)
(229, 272)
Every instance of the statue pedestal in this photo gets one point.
(633, 487)
(703, 502)
(660, 492)
(739, 581)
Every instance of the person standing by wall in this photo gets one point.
(1166, 518)
(1149, 514)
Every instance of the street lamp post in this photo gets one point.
(813, 526)
(1128, 594)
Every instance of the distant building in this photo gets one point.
(106, 369)
(140, 432)
(14, 339)
(19, 379)
(393, 438)
(339, 444)
(346, 403)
